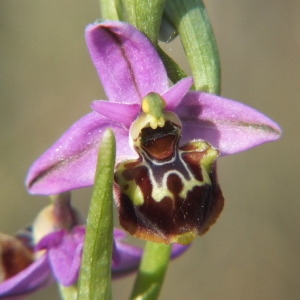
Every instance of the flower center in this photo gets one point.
(159, 144)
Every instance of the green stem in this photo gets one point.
(145, 15)
(152, 271)
(109, 9)
(95, 273)
(192, 23)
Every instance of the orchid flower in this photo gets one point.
(154, 124)
(20, 272)
(62, 259)
(129, 69)
(25, 268)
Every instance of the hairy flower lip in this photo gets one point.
(70, 163)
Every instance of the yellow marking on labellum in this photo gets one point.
(186, 238)
(160, 189)
(135, 193)
(129, 187)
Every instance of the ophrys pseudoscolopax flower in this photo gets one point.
(177, 144)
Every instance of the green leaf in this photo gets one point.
(95, 273)
(192, 23)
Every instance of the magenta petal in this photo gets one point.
(119, 234)
(66, 258)
(51, 240)
(36, 276)
(126, 258)
(176, 92)
(71, 162)
(120, 113)
(127, 63)
(228, 125)
(64, 250)
(178, 249)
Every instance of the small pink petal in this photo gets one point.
(126, 258)
(65, 258)
(119, 234)
(64, 250)
(126, 61)
(228, 125)
(52, 239)
(178, 249)
(175, 94)
(120, 113)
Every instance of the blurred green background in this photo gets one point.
(47, 82)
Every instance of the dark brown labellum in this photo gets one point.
(170, 193)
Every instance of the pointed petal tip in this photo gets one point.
(228, 125)
(70, 163)
(175, 94)
(126, 112)
(51, 181)
(178, 250)
(250, 134)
